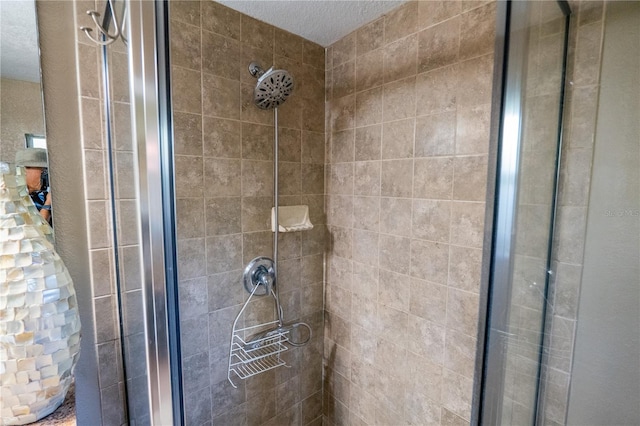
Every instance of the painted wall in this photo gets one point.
(20, 113)
(408, 134)
(224, 194)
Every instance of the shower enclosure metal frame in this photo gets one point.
(152, 130)
(502, 203)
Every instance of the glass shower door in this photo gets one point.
(525, 209)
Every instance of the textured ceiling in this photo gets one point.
(324, 21)
(19, 58)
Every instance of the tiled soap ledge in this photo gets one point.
(65, 415)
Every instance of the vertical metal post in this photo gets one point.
(153, 179)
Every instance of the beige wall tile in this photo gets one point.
(119, 74)
(430, 220)
(220, 97)
(89, 71)
(475, 81)
(223, 215)
(340, 210)
(370, 37)
(436, 90)
(429, 261)
(462, 311)
(190, 217)
(435, 134)
(368, 73)
(344, 79)
(433, 178)
(312, 147)
(187, 133)
(477, 31)
(456, 393)
(344, 50)
(185, 11)
(472, 130)
(394, 291)
(185, 46)
(221, 138)
(366, 213)
(312, 180)
(368, 143)
(341, 241)
(400, 60)
(382, 203)
(223, 176)
(369, 107)
(428, 339)
(460, 353)
(289, 145)
(342, 113)
(396, 178)
(186, 90)
(188, 176)
(220, 19)
(341, 179)
(467, 223)
(401, 21)
(220, 56)
(95, 174)
(342, 146)
(394, 253)
(438, 45)
(395, 216)
(256, 244)
(191, 258)
(587, 54)
(102, 271)
(257, 178)
(465, 266)
(256, 33)
(398, 139)
(399, 99)
(313, 54)
(470, 178)
(287, 44)
(365, 247)
(257, 142)
(428, 300)
(433, 12)
(224, 253)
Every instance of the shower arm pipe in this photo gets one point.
(276, 227)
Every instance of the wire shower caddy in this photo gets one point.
(250, 356)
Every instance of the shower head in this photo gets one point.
(273, 87)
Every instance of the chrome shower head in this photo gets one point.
(273, 87)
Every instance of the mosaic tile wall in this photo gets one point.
(408, 136)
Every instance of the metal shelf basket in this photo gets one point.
(247, 359)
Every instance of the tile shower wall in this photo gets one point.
(583, 77)
(224, 194)
(408, 134)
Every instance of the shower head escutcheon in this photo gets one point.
(273, 86)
